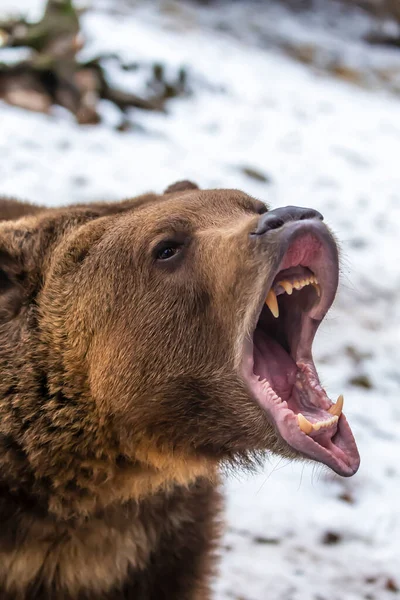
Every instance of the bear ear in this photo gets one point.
(181, 186)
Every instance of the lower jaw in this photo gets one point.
(329, 439)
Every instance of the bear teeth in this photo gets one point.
(298, 284)
(307, 427)
(272, 303)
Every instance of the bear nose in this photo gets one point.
(274, 219)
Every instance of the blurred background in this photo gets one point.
(295, 102)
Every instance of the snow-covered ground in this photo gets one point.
(294, 532)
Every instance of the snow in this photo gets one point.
(32, 10)
(294, 531)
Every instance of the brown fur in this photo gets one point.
(120, 393)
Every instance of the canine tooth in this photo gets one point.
(272, 303)
(336, 409)
(287, 287)
(304, 424)
(317, 289)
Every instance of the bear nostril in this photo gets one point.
(275, 223)
(267, 222)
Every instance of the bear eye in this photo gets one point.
(168, 250)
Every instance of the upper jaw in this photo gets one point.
(285, 238)
(317, 261)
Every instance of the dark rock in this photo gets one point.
(331, 538)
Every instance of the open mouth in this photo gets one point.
(278, 364)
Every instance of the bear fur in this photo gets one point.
(120, 398)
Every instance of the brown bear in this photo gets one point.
(145, 345)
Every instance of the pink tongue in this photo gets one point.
(273, 363)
